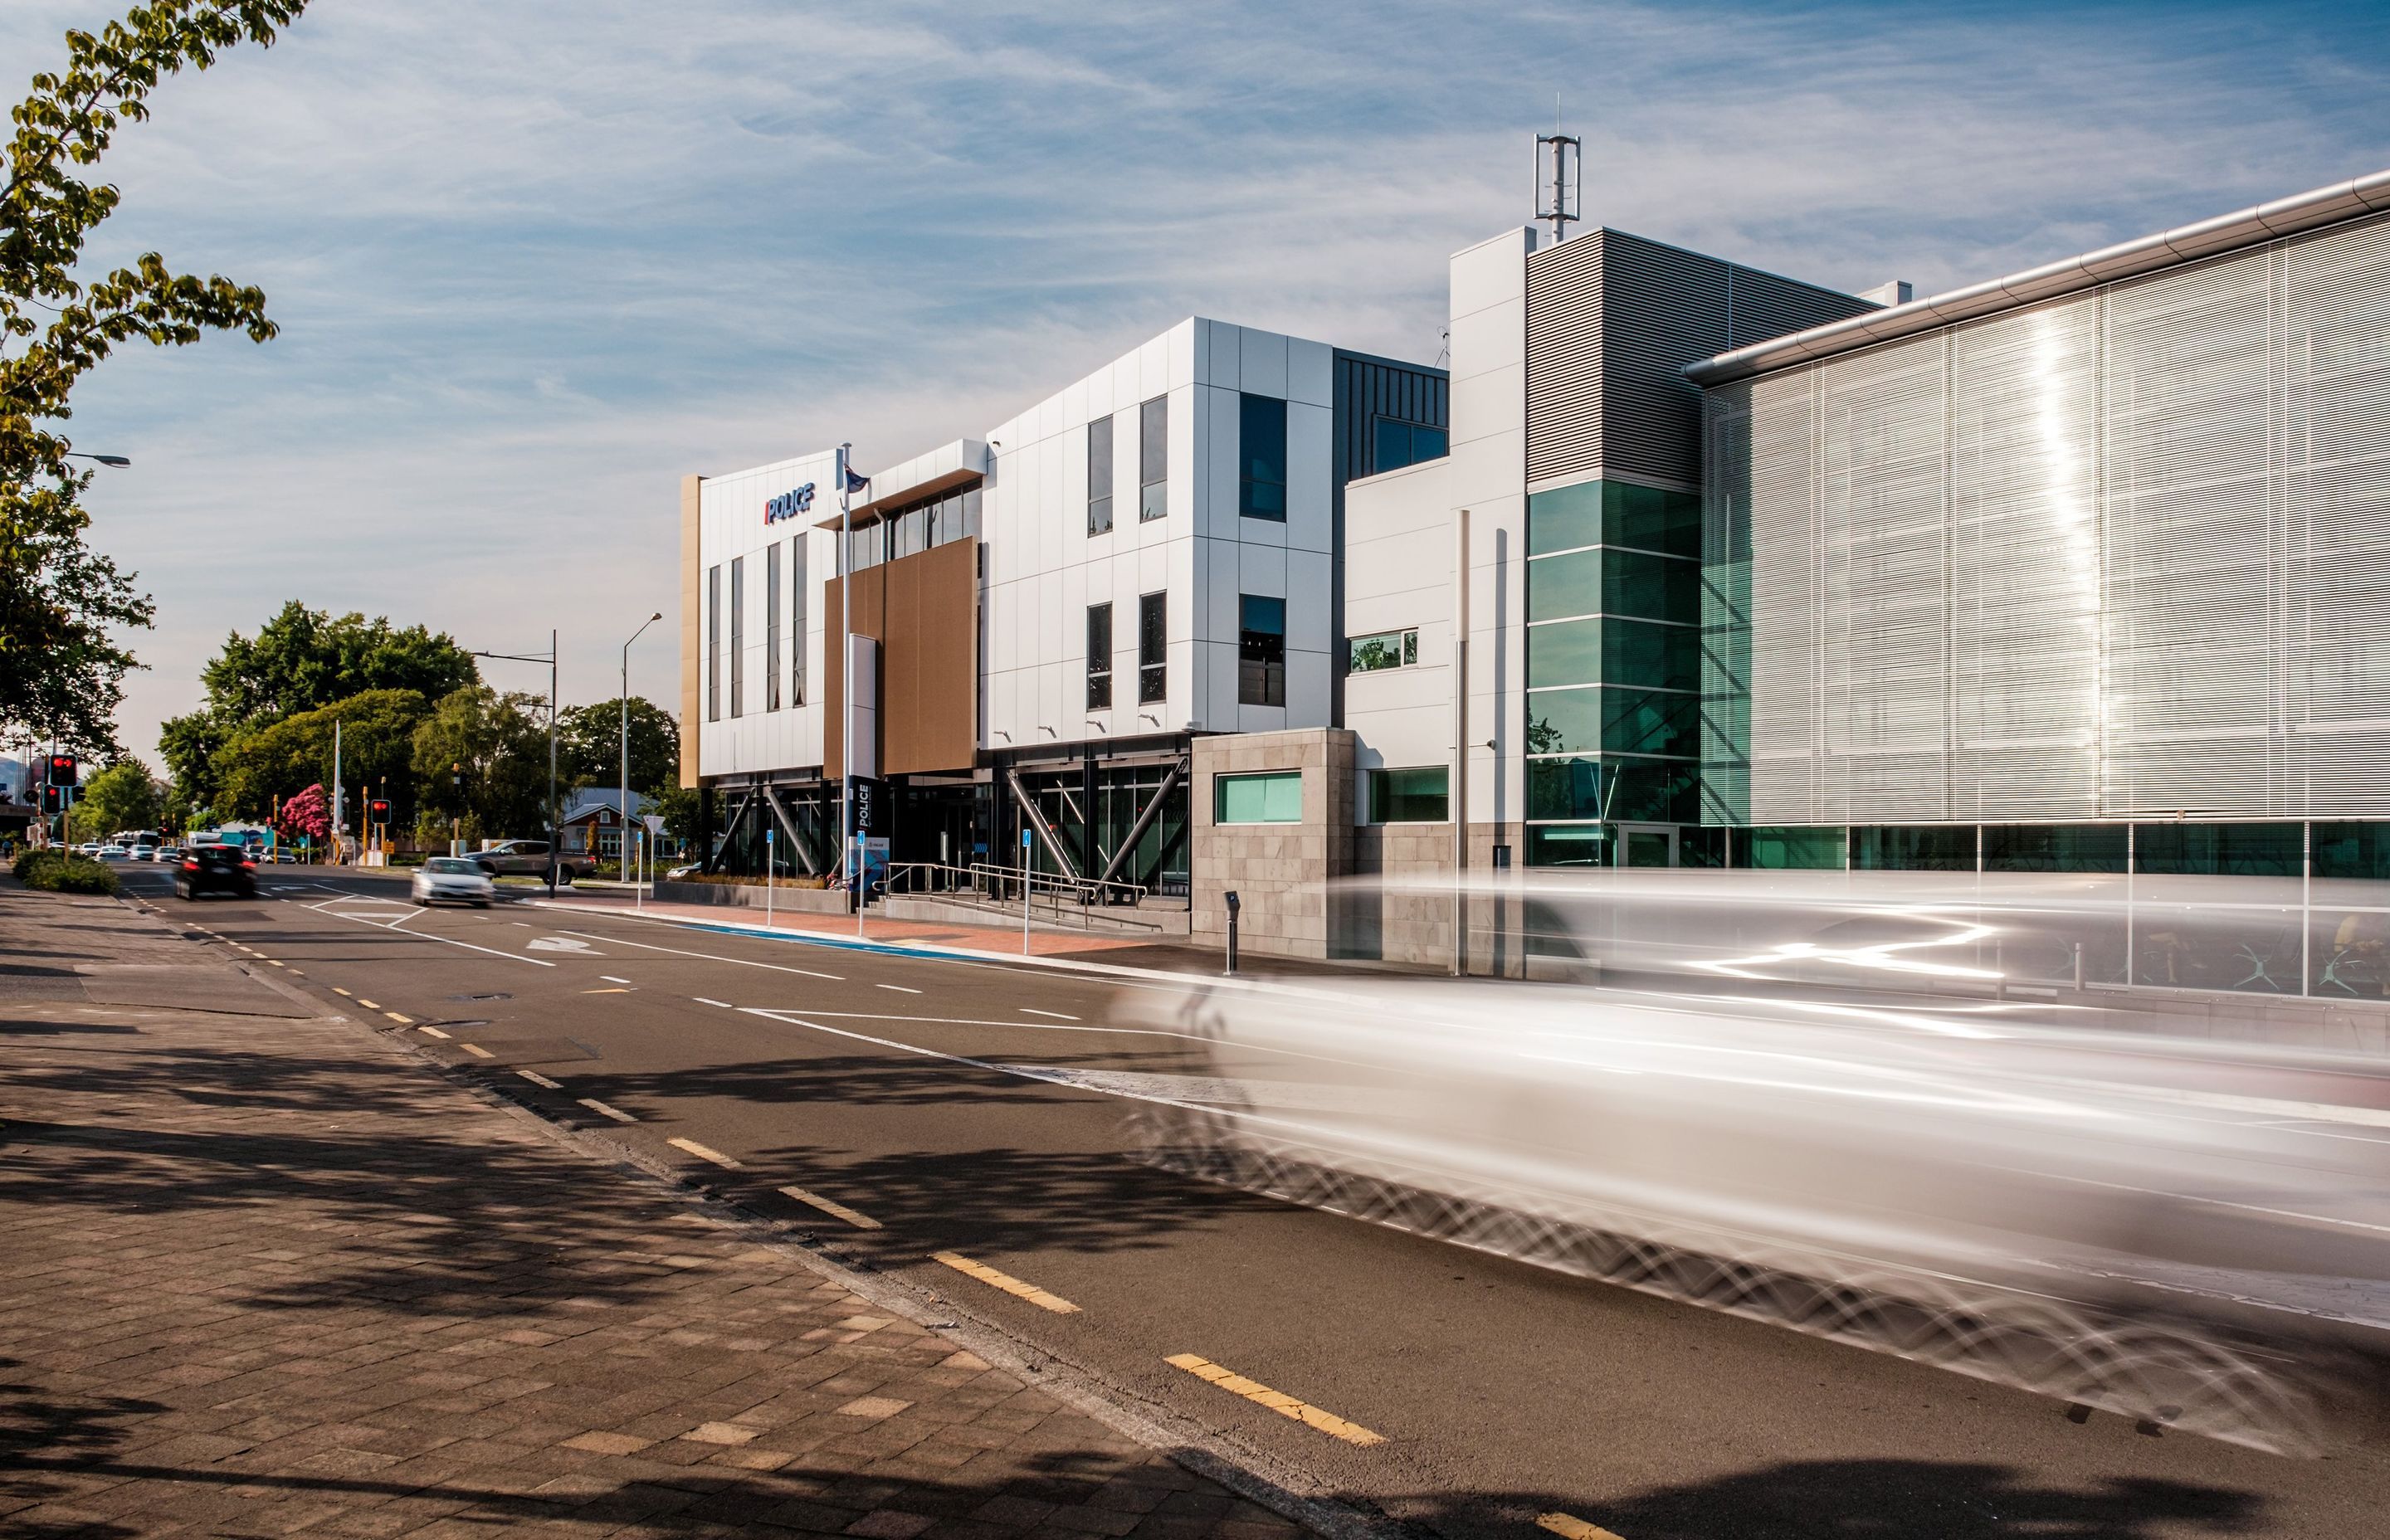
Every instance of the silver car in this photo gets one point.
(453, 879)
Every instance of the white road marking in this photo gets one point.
(538, 1078)
(1032, 1010)
(425, 935)
(703, 1001)
(599, 1107)
(477, 1050)
(705, 1152)
(709, 957)
(1023, 1071)
(573, 944)
(611, 980)
(900, 989)
(832, 1207)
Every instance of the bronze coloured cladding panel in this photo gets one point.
(924, 610)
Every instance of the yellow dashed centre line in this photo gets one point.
(832, 1207)
(433, 1031)
(538, 1078)
(338, 990)
(704, 1153)
(1007, 1282)
(401, 1020)
(477, 1050)
(1568, 1526)
(603, 1111)
(605, 992)
(367, 1004)
(1276, 1401)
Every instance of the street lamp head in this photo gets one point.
(103, 459)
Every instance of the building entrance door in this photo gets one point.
(1646, 844)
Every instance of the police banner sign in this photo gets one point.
(789, 505)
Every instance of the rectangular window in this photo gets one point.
(737, 635)
(2350, 850)
(797, 617)
(772, 628)
(1260, 650)
(1394, 444)
(1383, 651)
(1275, 798)
(1410, 796)
(1261, 457)
(2219, 849)
(1152, 649)
(1791, 849)
(2054, 848)
(1917, 848)
(1611, 649)
(1153, 458)
(1613, 720)
(713, 643)
(1099, 476)
(1099, 657)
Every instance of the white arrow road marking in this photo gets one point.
(573, 944)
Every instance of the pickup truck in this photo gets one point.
(527, 858)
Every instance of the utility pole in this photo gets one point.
(1460, 744)
(622, 845)
(553, 854)
(337, 798)
(851, 840)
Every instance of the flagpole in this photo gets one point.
(846, 674)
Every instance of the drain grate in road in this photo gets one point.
(499, 995)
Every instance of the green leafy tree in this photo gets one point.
(376, 734)
(497, 745)
(125, 795)
(589, 745)
(61, 669)
(189, 745)
(676, 805)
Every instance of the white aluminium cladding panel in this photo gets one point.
(1398, 543)
(731, 526)
(2123, 554)
(1044, 570)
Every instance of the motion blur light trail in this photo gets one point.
(1819, 1104)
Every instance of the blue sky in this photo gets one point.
(535, 261)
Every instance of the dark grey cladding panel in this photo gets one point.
(1613, 319)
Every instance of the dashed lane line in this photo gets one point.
(701, 1000)
(611, 980)
(433, 1031)
(605, 992)
(832, 1207)
(1032, 1010)
(367, 1004)
(1007, 1282)
(338, 990)
(1568, 1526)
(477, 1050)
(704, 1152)
(603, 1111)
(901, 989)
(540, 1079)
(1276, 1401)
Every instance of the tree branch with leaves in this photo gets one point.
(61, 670)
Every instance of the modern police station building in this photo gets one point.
(2081, 571)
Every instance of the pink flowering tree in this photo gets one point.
(306, 813)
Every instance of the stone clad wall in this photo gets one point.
(1278, 870)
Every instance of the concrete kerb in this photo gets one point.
(1250, 1473)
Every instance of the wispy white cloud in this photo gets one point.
(535, 261)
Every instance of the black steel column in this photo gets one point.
(1089, 861)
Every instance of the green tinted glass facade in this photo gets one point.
(1613, 644)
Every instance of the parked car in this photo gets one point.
(215, 869)
(454, 879)
(527, 858)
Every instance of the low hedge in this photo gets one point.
(58, 871)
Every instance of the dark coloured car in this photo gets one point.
(215, 869)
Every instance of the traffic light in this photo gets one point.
(62, 769)
(54, 799)
(378, 810)
(456, 776)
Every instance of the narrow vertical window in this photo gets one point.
(713, 643)
(1099, 657)
(772, 627)
(1099, 476)
(1261, 457)
(1260, 650)
(1153, 458)
(1152, 649)
(737, 635)
(796, 621)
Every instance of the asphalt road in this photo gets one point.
(870, 1078)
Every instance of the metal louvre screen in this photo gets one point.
(2126, 554)
(1564, 359)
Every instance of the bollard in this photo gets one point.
(1231, 972)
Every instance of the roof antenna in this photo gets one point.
(1559, 164)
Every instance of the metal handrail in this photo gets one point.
(988, 879)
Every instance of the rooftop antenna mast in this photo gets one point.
(1560, 162)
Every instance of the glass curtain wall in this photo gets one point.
(1160, 861)
(1613, 721)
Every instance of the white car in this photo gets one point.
(452, 880)
(114, 852)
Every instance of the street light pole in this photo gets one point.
(549, 659)
(623, 847)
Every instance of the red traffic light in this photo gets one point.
(377, 809)
(62, 769)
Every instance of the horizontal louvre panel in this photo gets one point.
(2124, 554)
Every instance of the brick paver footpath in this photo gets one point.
(265, 1273)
